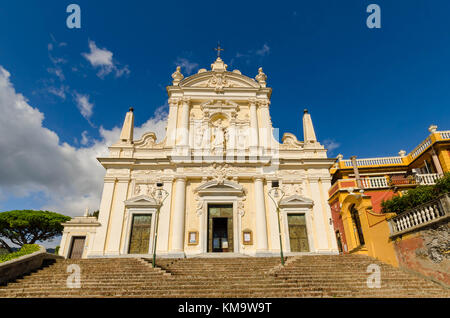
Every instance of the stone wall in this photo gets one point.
(14, 268)
(427, 251)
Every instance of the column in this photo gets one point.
(178, 215)
(117, 216)
(103, 217)
(184, 122)
(318, 216)
(265, 132)
(254, 136)
(356, 171)
(261, 222)
(436, 162)
(171, 130)
(326, 184)
(164, 219)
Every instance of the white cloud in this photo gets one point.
(186, 65)
(84, 138)
(250, 54)
(263, 51)
(84, 105)
(60, 92)
(103, 60)
(331, 145)
(35, 161)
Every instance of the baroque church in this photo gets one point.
(216, 166)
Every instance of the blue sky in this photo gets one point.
(371, 92)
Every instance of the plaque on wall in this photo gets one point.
(193, 238)
(247, 237)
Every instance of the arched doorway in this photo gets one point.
(357, 224)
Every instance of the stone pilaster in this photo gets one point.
(179, 215)
(254, 135)
(261, 222)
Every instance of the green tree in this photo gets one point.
(28, 226)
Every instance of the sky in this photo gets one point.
(64, 92)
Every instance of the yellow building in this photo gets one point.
(360, 185)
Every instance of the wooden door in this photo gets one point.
(298, 235)
(220, 239)
(76, 251)
(140, 234)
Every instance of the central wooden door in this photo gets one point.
(76, 251)
(140, 234)
(298, 235)
(220, 228)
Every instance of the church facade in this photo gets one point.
(217, 163)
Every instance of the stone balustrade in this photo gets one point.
(427, 178)
(421, 148)
(423, 215)
(374, 182)
(445, 134)
(379, 182)
(374, 161)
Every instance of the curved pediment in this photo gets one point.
(214, 187)
(141, 201)
(297, 201)
(219, 80)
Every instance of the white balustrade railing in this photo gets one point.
(420, 216)
(445, 134)
(375, 161)
(427, 178)
(420, 148)
(374, 182)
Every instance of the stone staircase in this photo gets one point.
(305, 276)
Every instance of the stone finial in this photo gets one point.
(340, 157)
(309, 134)
(177, 76)
(219, 65)
(86, 212)
(402, 153)
(126, 134)
(432, 129)
(261, 77)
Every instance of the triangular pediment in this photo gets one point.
(296, 201)
(141, 201)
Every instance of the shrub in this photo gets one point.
(443, 184)
(25, 250)
(417, 196)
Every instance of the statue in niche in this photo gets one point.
(219, 136)
(242, 137)
(198, 137)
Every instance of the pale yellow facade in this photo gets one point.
(219, 152)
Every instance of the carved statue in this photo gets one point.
(198, 137)
(219, 136)
(242, 138)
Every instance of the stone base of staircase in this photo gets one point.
(212, 277)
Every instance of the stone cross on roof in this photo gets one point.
(218, 49)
